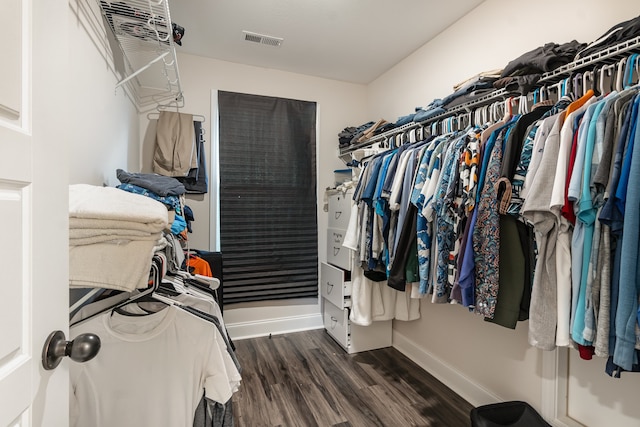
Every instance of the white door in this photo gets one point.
(33, 209)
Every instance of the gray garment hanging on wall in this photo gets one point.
(196, 181)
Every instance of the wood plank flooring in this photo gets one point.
(306, 379)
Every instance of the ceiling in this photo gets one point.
(348, 40)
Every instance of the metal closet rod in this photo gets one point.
(156, 116)
(613, 52)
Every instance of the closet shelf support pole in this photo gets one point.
(141, 69)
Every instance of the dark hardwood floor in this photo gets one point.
(306, 379)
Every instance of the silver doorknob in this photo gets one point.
(83, 348)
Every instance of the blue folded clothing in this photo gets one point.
(423, 115)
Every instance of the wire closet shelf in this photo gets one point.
(143, 30)
(603, 57)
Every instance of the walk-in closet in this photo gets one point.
(364, 213)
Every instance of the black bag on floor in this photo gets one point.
(507, 414)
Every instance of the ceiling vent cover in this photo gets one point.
(262, 39)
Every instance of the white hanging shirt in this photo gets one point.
(151, 370)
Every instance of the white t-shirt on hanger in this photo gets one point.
(151, 370)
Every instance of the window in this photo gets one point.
(268, 225)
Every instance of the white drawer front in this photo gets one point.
(334, 287)
(336, 322)
(340, 209)
(336, 253)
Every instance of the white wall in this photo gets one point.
(104, 131)
(339, 105)
(487, 38)
(485, 362)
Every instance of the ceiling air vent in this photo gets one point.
(262, 39)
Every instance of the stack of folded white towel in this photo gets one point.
(113, 235)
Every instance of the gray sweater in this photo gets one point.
(544, 312)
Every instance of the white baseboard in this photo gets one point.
(276, 326)
(467, 389)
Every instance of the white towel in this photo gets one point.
(112, 237)
(97, 226)
(87, 236)
(88, 203)
(123, 266)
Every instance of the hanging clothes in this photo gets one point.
(196, 181)
(175, 148)
(170, 357)
(525, 217)
(150, 333)
(486, 234)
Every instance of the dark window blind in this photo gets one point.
(268, 224)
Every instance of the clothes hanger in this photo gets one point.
(558, 89)
(412, 136)
(586, 82)
(523, 108)
(424, 132)
(210, 282)
(494, 112)
(434, 128)
(566, 86)
(595, 80)
(167, 107)
(206, 284)
(601, 77)
(155, 281)
(609, 74)
(620, 67)
(577, 85)
(162, 293)
(477, 116)
(551, 92)
(145, 295)
(90, 295)
(508, 109)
